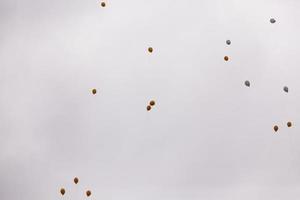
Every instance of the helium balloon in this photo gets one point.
(152, 103)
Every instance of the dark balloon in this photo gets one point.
(62, 191)
(150, 49)
(152, 103)
(88, 193)
(276, 128)
(76, 180)
(247, 83)
(272, 20)
(148, 108)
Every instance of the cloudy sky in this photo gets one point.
(208, 136)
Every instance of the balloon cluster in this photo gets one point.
(76, 181)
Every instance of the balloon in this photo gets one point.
(152, 103)
(247, 83)
(150, 49)
(272, 20)
(62, 191)
(88, 193)
(76, 180)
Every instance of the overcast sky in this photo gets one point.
(208, 136)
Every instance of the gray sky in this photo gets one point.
(208, 136)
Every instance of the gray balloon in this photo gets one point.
(247, 83)
(272, 20)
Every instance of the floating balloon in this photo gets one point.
(62, 191)
(148, 108)
(152, 103)
(272, 20)
(76, 180)
(276, 128)
(88, 193)
(150, 49)
(247, 83)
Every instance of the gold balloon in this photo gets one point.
(152, 103)
(88, 193)
(148, 108)
(76, 180)
(62, 191)
(150, 49)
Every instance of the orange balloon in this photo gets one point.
(88, 193)
(76, 180)
(276, 128)
(150, 49)
(148, 108)
(62, 191)
(152, 103)
(103, 4)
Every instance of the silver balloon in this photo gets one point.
(272, 20)
(247, 83)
